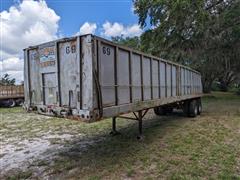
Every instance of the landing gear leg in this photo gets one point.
(140, 117)
(114, 132)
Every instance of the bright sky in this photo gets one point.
(28, 22)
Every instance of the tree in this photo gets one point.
(131, 42)
(202, 34)
(7, 80)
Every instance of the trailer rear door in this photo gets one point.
(49, 89)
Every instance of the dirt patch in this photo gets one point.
(22, 153)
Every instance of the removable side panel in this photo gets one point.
(182, 81)
(107, 77)
(49, 88)
(186, 81)
(69, 73)
(35, 78)
(169, 83)
(123, 77)
(146, 78)
(155, 79)
(194, 83)
(189, 81)
(162, 79)
(174, 81)
(136, 78)
(200, 88)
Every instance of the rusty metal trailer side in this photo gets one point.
(11, 95)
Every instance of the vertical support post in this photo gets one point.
(166, 84)
(159, 84)
(130, 75)
(151, 77)
(58, 92)
(116, 75)
(80, 71)
(114, 124)
(140, 116)
(171, 68)
(141, 72)
(114, 130)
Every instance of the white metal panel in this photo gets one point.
(136, 78)
(174, 81)
(182, 81)
(69, 73)
(107, 74)
(87, 73)
(123, 77)
(169, 83)
(35, 78)
(155, 79)
(162, 79)
(49, 88)
(146, 78)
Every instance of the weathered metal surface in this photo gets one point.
(11, 92)
(88, 77)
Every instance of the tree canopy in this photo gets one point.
(203, 34)
(7, 80)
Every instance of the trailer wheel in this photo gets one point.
(163, 110)
(193, 108)
(11, 103)
(159, 111)
(199, 104)
(168, 110)
(186, 108)
(19, 102)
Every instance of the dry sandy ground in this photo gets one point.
(27, 140)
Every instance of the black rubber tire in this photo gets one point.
(199, 102)
(159, 111)
(186, 108)
(19, 102)
(168, 110)
(193, 108)
(11, 103)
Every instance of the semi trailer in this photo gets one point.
(90, 78)
(11, 95)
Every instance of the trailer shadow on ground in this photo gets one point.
(89, 154)
(53, 157)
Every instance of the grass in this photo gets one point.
(174, 147)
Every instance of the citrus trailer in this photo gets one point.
(11, 95)
(90, 78)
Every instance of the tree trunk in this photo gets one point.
(207, 85)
